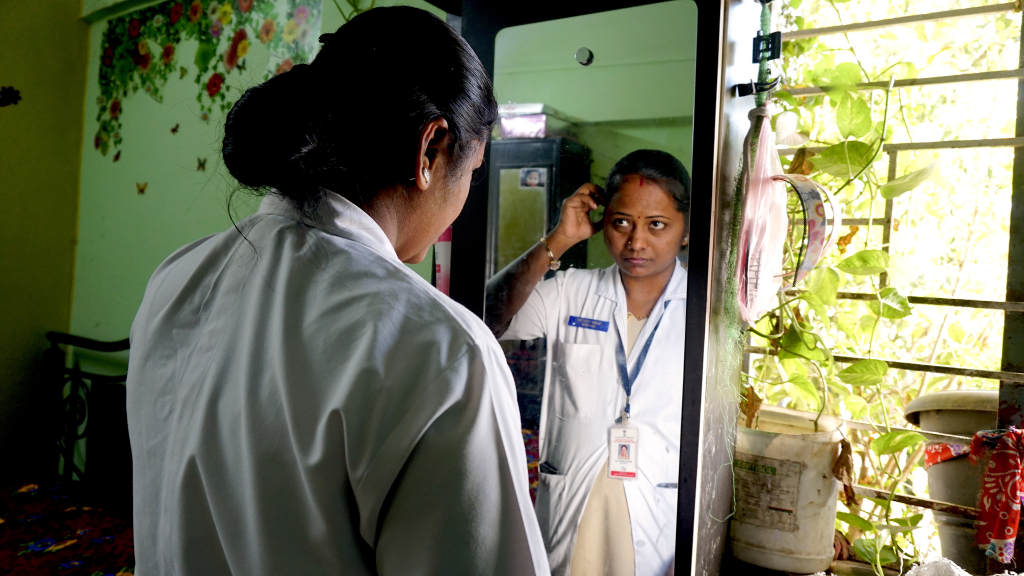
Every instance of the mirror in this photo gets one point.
(581, 96)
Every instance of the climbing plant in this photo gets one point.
(949, 238)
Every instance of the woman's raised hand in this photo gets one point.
(510, 288)
(574, 224)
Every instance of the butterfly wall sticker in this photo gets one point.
(141, 187)
(117, 156)
(9, 96)
(175, 129)
(201, 164)
(183, 72)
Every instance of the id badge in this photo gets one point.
(622, 451)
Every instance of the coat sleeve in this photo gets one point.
(532, 319)
(461, 504)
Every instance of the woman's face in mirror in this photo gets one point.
(643, 229)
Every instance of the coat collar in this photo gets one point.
(336, 216)
(610, 285)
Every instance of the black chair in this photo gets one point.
(93, 408)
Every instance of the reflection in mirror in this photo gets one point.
(589, 178)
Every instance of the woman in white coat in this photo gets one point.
(615, 341)
(299, 401)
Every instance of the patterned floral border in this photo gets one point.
(139, 51)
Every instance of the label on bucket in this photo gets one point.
(767, 491)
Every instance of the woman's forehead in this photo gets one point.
(642, 194)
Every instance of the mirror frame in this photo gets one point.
(481, 20)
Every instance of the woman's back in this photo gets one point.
(312, 406)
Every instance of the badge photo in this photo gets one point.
(622, 451)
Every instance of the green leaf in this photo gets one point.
(204, 54)
(882, 502)
(843, 160)
(901, 70)
(807, 388)
(854, 520)
(888, 556)
(865, 263)
(909, 70)
(866, 323)
(864, 373)
(853, 117)
(786, 96)
(797, 344)
(956, 333)
(908, 182)
(893, 305)
(836, 94)
(793, 366)
(867, 549)
(794, 4)
(857, 406)
(913, 520)
(837, 389)
(896, 529)
(847, 74)
(893, 442)
(815, 303)
(824, 283)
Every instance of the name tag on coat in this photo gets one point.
(588, 323)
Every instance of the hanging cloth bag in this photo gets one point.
(764, 225)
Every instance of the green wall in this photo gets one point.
(43, 52)
(637, 93)
(124, 235)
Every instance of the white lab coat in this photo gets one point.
(583, 396)
(314, 407)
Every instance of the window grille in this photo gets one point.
(1011, 375)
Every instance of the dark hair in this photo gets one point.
(350, 122)
(660, 167)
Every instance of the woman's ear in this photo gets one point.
(433, 141)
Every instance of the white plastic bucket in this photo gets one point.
(785, 492)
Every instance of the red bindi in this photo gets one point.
(641, 181)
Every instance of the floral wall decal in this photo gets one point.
(139, 51)
(9, 96)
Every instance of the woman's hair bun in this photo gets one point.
(264, 128)
(350, 122)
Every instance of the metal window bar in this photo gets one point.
(935, 301)
(901, 21)
(915, 366)
(936, 505)
(1015, 74)
(939, 145)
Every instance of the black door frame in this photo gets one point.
(481, 22)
